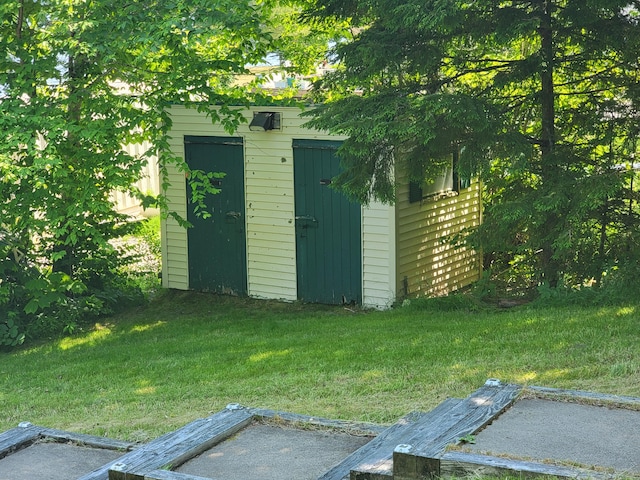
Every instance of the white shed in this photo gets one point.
(278, 231)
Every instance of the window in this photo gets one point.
(449, 183)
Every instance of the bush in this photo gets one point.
(462, 302)
(620, 286)
(14, 274)
(142, 251)
(39, 303)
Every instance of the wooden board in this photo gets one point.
(26, 434)
(621, 401)
(177, 447)
(432, 459)
(16, 438)
(169, 475)
(420, 458)
(373, 460)
(345, 426)
(87, 440)
(460, 464)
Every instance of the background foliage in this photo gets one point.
(540, 99)
(79, 80)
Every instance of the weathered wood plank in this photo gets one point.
(421, 457)
(375, 453)
(19, 437)
(380, 465)
(361, 428)
(461, 464)
(169, 475)
(88, 440)
(179, 446)
(582, 396)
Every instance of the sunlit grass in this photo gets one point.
(99, 333)
(187, 355)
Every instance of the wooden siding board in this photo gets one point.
(270, 220)
(267, 247)
(443, 283)
(271, 163)
(267, 291)
(180, 275)
(266, 179)
(430, 265)
(378, 255)
(437, 257)
(377, 263)
(376, 250)
(382, 231)
(261, 200)
(274, 236)
(269, 251)
(420, 221)
(432, 219)
(437, 254)
(377, 287)
(282, 287)
(276, 266)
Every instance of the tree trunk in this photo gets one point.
(549, 169)
(76, 73)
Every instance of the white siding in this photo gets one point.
(147, 184)
(270, 212)
(378, 255)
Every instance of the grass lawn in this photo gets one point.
(186, 355)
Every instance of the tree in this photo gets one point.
(81, 79)
(540, 98)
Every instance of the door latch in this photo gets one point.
(306, 221)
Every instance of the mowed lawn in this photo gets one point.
(186, 355)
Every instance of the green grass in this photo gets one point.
(186, 355)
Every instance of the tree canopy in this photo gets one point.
(539, 97)
(79, 80)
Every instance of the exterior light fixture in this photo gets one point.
(265, 121)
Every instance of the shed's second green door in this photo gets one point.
(328, 245)
(217, 244)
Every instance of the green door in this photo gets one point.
(217, 244)
(328, 248)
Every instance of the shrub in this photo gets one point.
(37, 302)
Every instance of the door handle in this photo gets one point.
(306, 221)
(231, 215)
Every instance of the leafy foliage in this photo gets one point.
(540, 98)
(78, 82)
(36, 304)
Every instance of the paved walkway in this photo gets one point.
(566, 432)
(546, 429)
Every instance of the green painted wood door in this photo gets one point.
(328, 228)
(217, 244)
